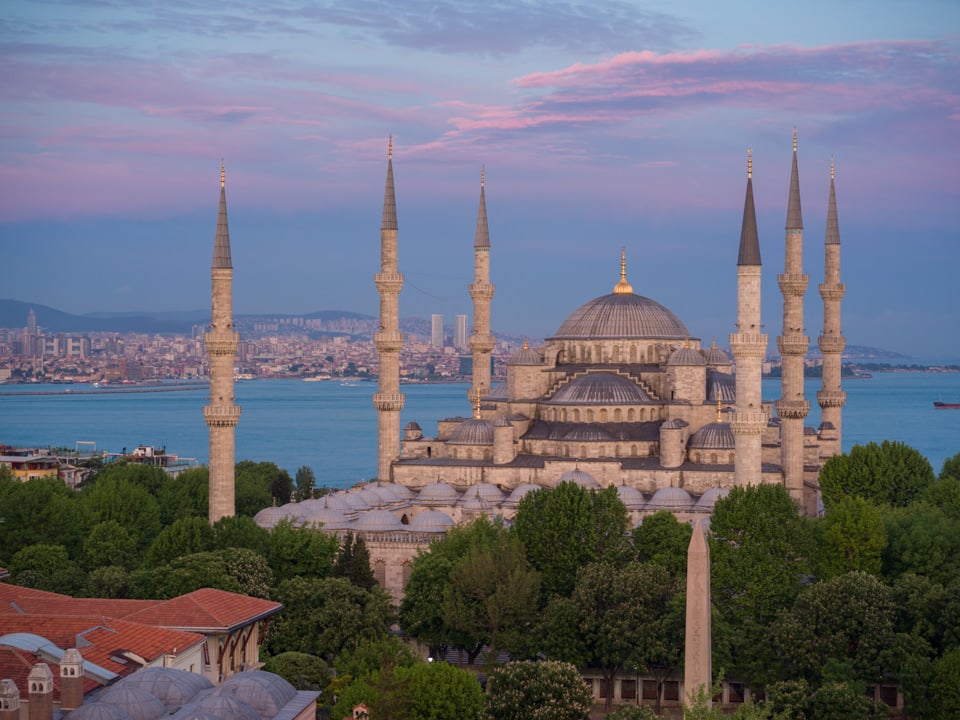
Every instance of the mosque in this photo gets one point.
(621, 395)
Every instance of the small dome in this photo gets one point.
(672, 498)
(328, 519)
(726, 385)
(487, 491)
(412, 425)
(579, 477)
(600, 388)
(98, 711)
(519, 492)
(265, 692)
(716, 357)
(631, 497)
(137, 703)
(827, 425)
(476, 506)
(372, 495)
(715, 436)
(525, 356)
(685, 357)
(171, 687)
(438, 493)
(356, 501)
(394, 492)
(807, 430)
(706, 501)
(674, 424)
(475, 431)
(269, 517)
(337, 501)
(431, 521)
(220, 706)
(377, 521)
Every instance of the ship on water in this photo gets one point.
(940, 405)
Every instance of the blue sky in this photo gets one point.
(601, 124)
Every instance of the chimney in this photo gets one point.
(40, 693)
(71, 680)
(9, 700)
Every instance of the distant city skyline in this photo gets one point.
(601, 125)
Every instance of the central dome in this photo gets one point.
(622, 315)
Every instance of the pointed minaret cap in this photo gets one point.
(833, 225)
(482, 238)
(794, 216)
(389, 221)
(623, 287)
(221, 244)
(749, 240)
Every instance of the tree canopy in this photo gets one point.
(889, 473)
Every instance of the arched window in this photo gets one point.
(633, 354)
(633, 450)
(603, 415)
(380, 572)
(576, 415)
(617, 415)
(630, 415)
(589, 415)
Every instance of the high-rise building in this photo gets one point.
(460, 333)
(436, 331)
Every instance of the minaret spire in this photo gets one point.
(749, 346)
(792, 343)
(831, 396)
(623, 287)
(481, 292)
(222, 414)
(388, 400)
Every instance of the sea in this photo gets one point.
(331, 426)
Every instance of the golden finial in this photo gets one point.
(794, 139)
(623, 287)
(719, 406)
(749, 163)
(482, 174)
(831, 168)
(713, 343)
(476, 404)
(686, 343)
(223, 174)
(390, 147)
(526, 345)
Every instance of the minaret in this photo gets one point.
(831, 397)
(388, 400)
(749, 346)
(221, 342)
(481, 291)
(793, 344)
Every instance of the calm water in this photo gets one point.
(333, 429)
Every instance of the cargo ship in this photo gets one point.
(940, 405)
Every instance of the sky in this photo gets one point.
(600, 125)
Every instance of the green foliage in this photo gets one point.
(951, 468)
(546, 690)
(353, 562)
(260, 485)
(46, 567)
(42, 511)
(301, 551)
(566, 527)
(108, 582)
(109, 543)
(443, 692)
(303, 671)
(852, 536)
(945, 494)
(148, 477)
(945, 687)
(492, 597)
(122, 494)
(633, 712)
(760, 552)
(843, 626)
(186, 495)
(326, 616)
(891, 473)
(240, 531)
(797, 700)
(185, 537)
(925, 540)
(367, 657)
(235, 570)
(663, 539)
(305, 482)
(386, 693)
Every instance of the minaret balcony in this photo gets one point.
(481, 343)
(388, 402)
(221, 415)
(389, 283)
(793, 409)
(748, 423)
(748, 345)
(793, 284)
(482, 291)
(390, 341)
(831, 398)
(831, 343)
(219, 343)
(793, 345)
(832, 291)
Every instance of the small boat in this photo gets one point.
(940, 405)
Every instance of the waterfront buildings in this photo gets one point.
(460, 333)
(436, 330)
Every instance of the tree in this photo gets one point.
(565, 527)
(110, 581)
(236, 570)
(546, 690)
(951, 468)
(627, 617)
(240, 531)
(439, 691)
(760, 552)
(367, 656)
(326, 616)
(126, 500)
(42, 511)
(945, 686)
(186, 536)
(305, 482)
(254, 484)
(303, 671)
(925, 540)
(353, 562)
(797, 700)
(852, 536)
(109, 543)
(297, 551)
(185, 495)
(838, 629)
(891, 473)
(663, 539)
(492, 597)
(46, 567)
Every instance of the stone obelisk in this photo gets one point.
(697, 669)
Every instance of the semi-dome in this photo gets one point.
(674, 424)
(622, 316)
(670, 498)
(475, 431)
(431, 521)
(715, 436)
(632, 498)
(525, 356)
(600, 388)
(269, 517)
(579, 477)
(686, 356)
(486, 491)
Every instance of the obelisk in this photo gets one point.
(697, 670)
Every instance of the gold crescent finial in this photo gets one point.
(526, 345)
(483, 172)
(390, 147)
(476, 403)
(831, 168)
(794, 139)
(719, 406)
(713, 343)
(623, 287)
(223, 174)
(749, 163)
(686, 343)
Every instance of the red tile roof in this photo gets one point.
(16, 665)
(207, 610)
